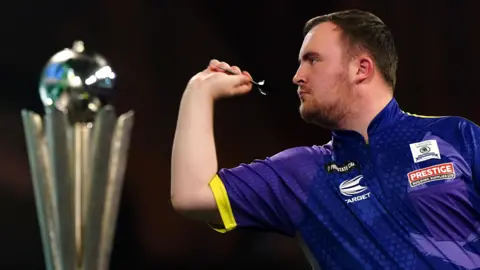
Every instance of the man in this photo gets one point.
(390, 190)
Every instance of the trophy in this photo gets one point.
(77, 155)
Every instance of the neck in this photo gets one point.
(365, 107)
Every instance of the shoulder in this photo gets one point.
(457, 131)
(288, 160)
(291, 161)
(446, 123)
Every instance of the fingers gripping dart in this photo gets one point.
(262, 87)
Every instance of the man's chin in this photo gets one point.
(307, 115)
(316, 118)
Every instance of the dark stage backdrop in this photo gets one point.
(155, 47)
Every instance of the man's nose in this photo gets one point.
(299, 78)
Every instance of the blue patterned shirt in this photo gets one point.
(406, 199)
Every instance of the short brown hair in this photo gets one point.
(365, 31)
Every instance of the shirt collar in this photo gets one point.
(387, 117)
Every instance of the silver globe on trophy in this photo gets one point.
(77, 155)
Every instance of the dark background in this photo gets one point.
(154, 48)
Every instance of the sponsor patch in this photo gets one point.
(425, 150)
(354, 189)
(349, 165)
(443, 171)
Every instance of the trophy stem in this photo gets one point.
(81, 145)
(57, 129)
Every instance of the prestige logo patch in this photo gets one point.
(425, 150)
(341, 168)
(433, 173)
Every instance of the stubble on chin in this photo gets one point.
(326, 116)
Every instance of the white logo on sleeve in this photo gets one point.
(425, 150)
(353, 187)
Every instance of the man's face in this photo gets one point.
(324, 86)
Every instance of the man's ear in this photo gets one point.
(364, 69)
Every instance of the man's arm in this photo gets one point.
(194, 159)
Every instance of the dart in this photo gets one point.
(262, 87)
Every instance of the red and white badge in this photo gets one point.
(443, 171)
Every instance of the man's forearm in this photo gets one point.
(194, 159)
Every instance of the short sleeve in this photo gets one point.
(268, 194)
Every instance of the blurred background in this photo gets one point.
(154, 48)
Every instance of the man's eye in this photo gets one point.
(312, 60)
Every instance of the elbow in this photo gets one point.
(179, 204)
(194, 205)
(183, 204)
(185, 207)
(180, 199)
(190, 199)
